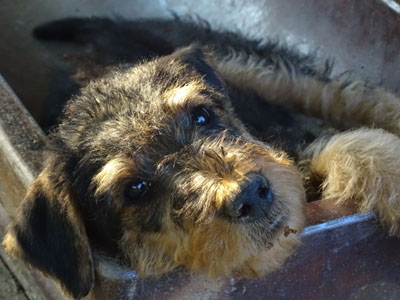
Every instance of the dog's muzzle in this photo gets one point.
(253, 202)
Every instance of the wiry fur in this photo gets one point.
(135, 122)
(362, 165)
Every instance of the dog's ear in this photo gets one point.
(201, 60)
(49, 234)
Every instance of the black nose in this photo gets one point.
(254, 200)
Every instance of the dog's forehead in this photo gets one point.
(137, 108)
(169, 81)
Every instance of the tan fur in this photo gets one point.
(364, 165)
(138, 125)
(62, 198)
(178, 96)
(213, 246)
(115, 171)
(11, 245)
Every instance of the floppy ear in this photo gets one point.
(48, 233)
(200, 59)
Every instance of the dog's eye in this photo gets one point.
(136, 189)
(201, 116)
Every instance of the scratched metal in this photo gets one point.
(347, 258)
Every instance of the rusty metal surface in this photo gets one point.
(327, 209)
(348, 258)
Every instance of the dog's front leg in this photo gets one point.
(363, 166)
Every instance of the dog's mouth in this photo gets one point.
(276, 224)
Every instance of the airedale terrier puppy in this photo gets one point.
(196, 148)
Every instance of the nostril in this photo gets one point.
(244, 211)
(263, 191)
(254, 200)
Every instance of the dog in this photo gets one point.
(198, 148)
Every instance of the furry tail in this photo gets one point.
(72, 29)
(119, 39)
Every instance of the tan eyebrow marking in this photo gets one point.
(178, 96)
(115, 170)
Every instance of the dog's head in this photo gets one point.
(151, 165)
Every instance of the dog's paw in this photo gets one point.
(363, 165)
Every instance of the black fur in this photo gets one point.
(121, 115)
(114, 42)
(47, 237)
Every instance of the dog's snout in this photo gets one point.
(253, 201)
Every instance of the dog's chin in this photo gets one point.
(275, 241)
(221, 248)
(264, 230)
